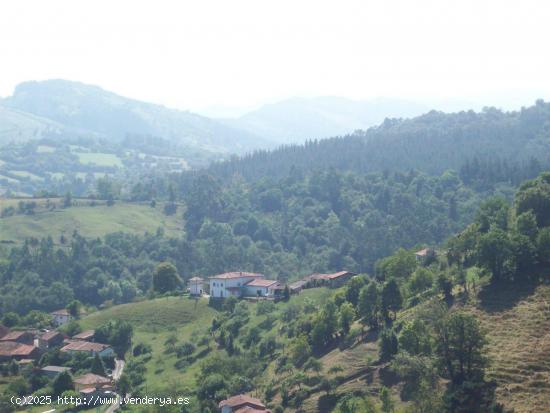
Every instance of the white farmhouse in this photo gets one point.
(232, 284)
(196, 286)
(259, 287)
(61, 317)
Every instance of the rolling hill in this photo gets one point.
(89, 110)
(295, 120)
(50, 219)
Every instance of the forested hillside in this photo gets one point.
(433, 335)
(510, 142)
(285, 229)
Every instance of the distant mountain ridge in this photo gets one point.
(90, 109)
(295, 120)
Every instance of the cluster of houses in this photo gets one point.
(28, 345)
(246, 284)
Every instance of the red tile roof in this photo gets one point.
(50, 335)
(248, 409)
(62, 311)
(258, 282)
(422, 253)
(92, 379)
(85, 335)
(242, 400)
(85, 346)
(237, 274)
(11, 348)
(14, 335)
(332, 276)
(56, 369)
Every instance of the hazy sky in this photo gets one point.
(194, 54)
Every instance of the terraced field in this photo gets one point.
(518, 329)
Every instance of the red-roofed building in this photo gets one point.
(61, 317)
(92, 381)
(424, 254)
(23, 337)
(87, 335)
(3, 330)
(242, 404)
(11, 350)
(50, 339)
(92, 349)
(231, 283)
(333, 280)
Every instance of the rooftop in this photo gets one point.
(92, 379)
(258, 282)
(423, 252)
(85, 346)
(57, 369)
(236, 274)
(85, 335)
(50, 335)
(14, 335)
(242, 400)
(332, 276)
(196, 279)
(62, 311)
(11, 348)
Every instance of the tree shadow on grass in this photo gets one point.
(327, 403)
(502, 296)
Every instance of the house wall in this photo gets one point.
(107, 352)
(253, 291)
(195, 288)
(218, 287)
(60, 319)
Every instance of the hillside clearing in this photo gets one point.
(89, 221)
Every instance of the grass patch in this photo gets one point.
(99, 159)
(45, 149)
(154, 321)
(26, 174)
(89, 221)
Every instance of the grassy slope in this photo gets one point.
(89, 221)
(517, 322)
(154, 321)
(518, 328)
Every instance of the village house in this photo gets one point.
(195, 286)
(424, 255)
(242, 404)
(87, 335)
(11, 350)
(3, 330)
(50, 339)
(61, 317)
(333, 280)
(53, 371)
(92, 349)
(23, 337)
(240, 284)
(92, 381)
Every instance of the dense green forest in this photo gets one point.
(432, 143)
(285, 229)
